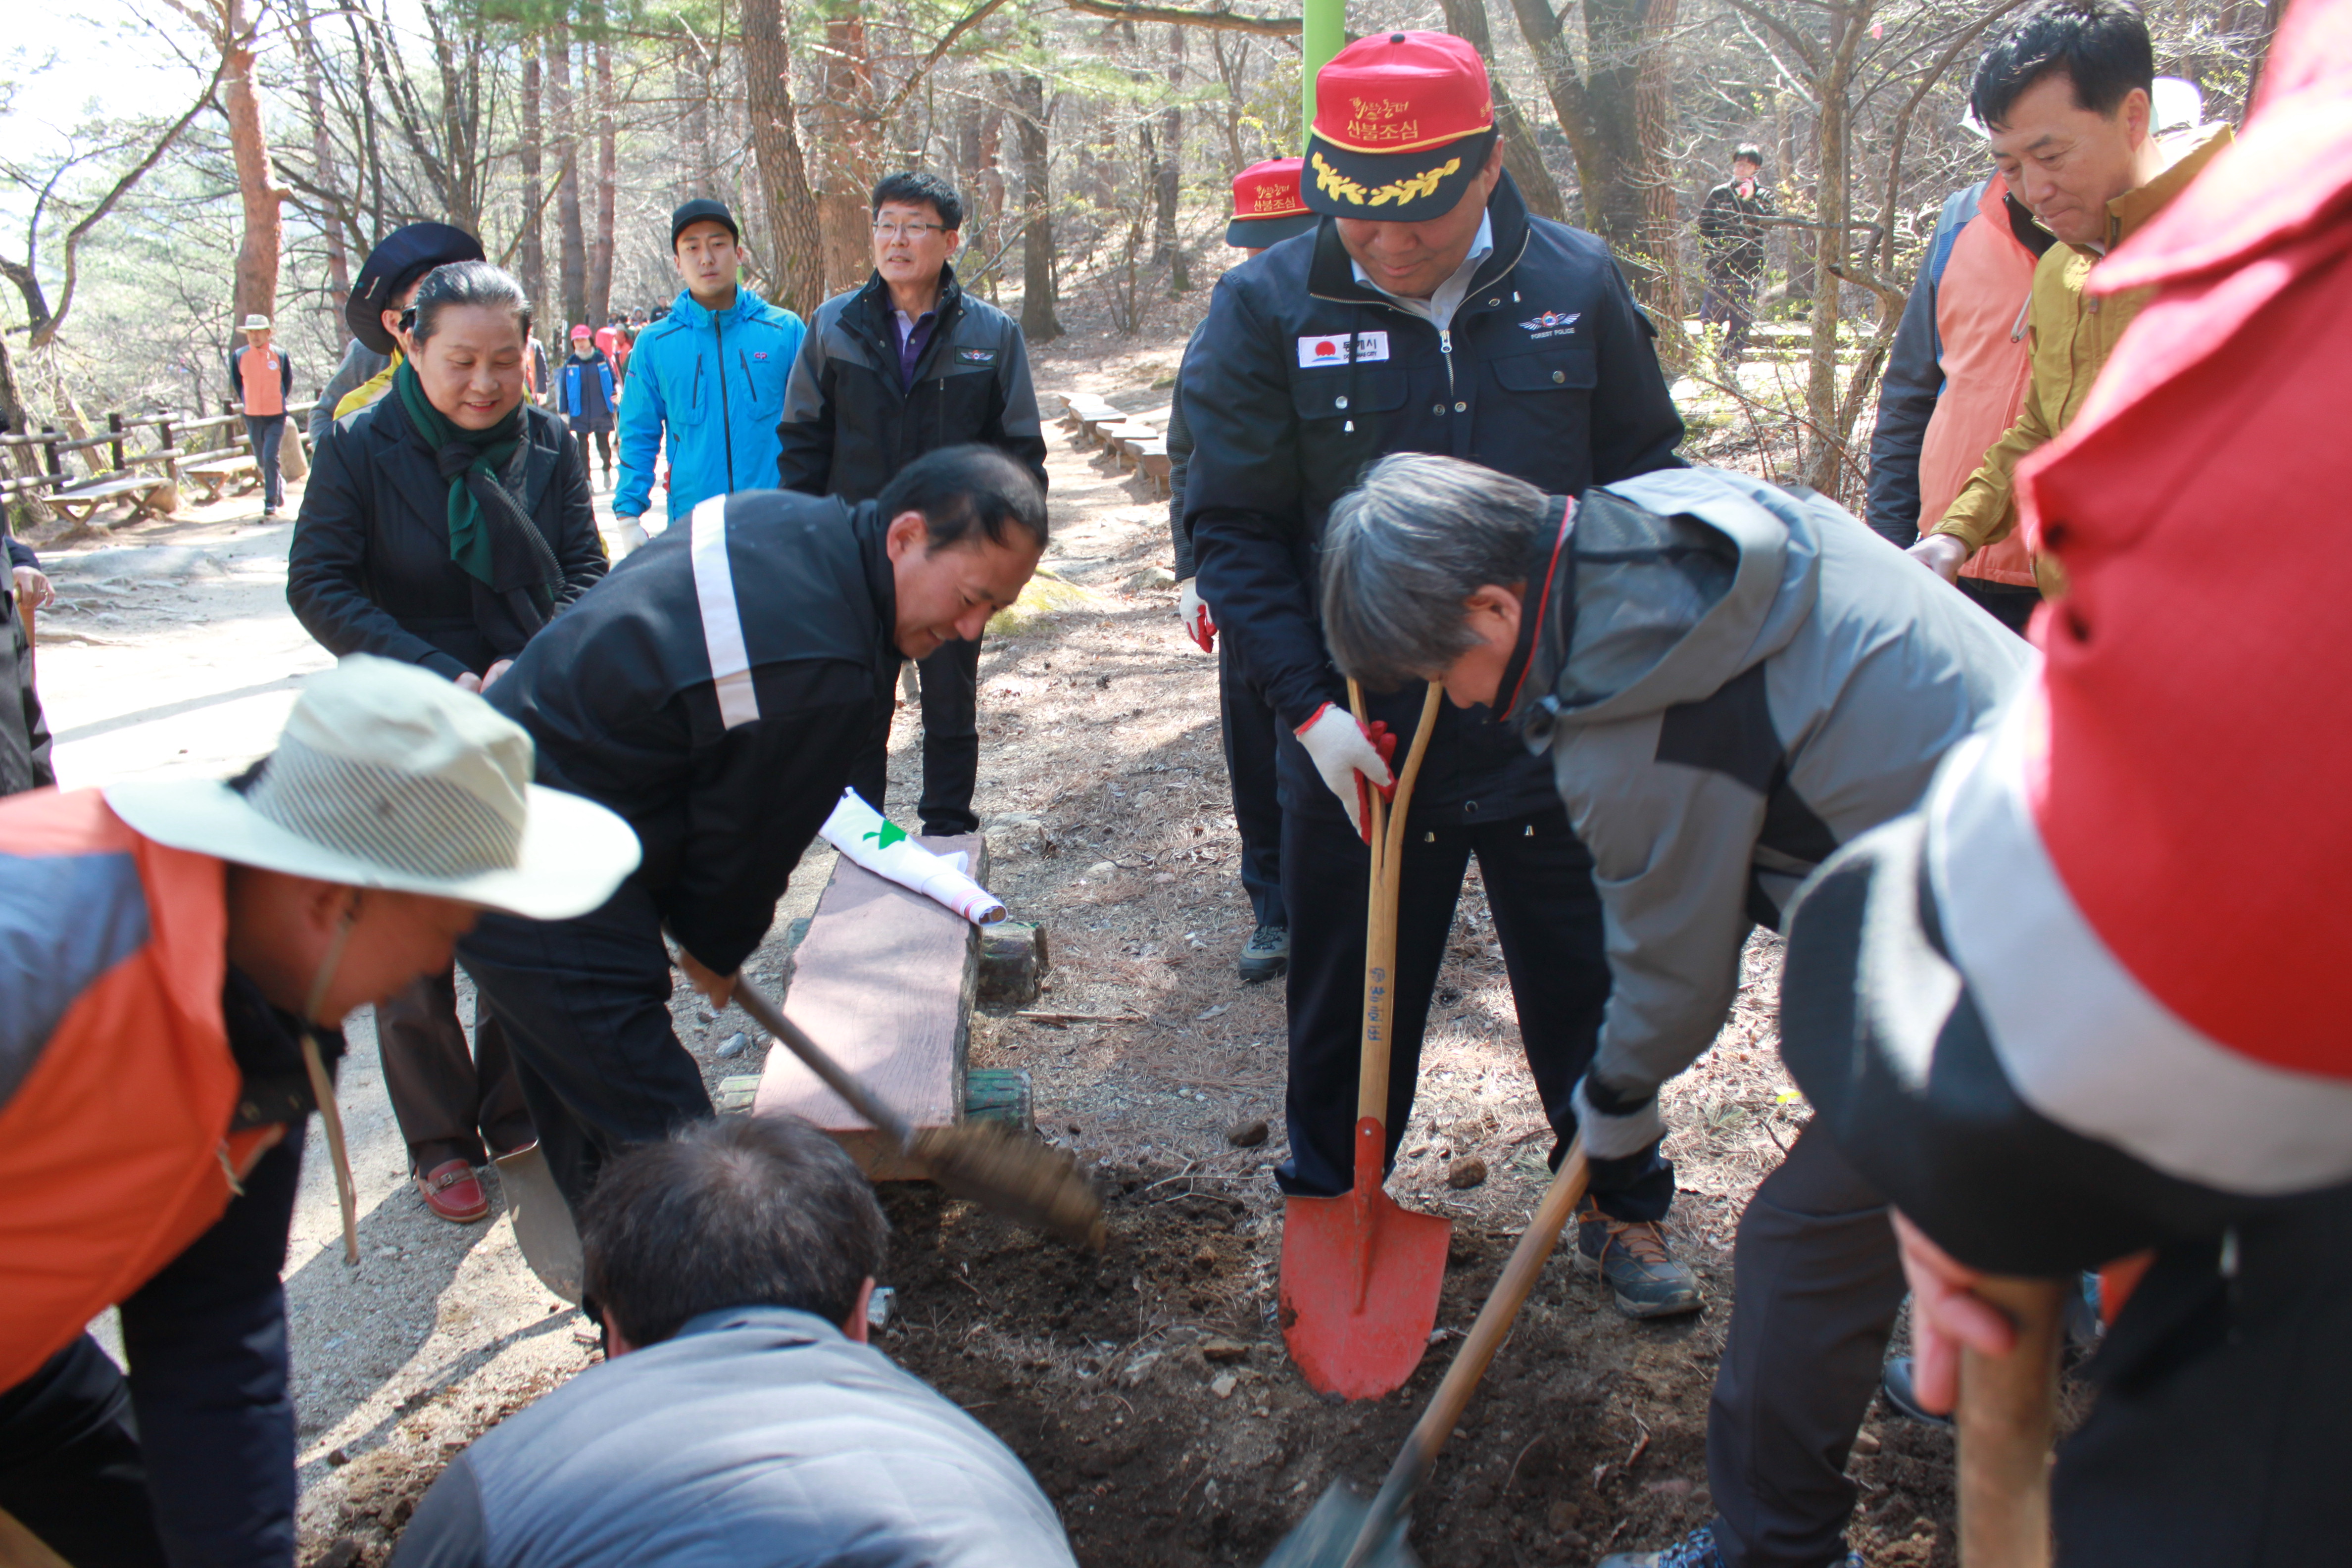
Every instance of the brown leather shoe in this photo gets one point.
(452, 1191)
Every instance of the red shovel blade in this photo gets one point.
(1360, 1278)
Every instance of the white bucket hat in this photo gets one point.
(388, 776)
(255, 324)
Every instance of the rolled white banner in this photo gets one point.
(884, 848)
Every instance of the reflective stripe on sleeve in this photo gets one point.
(722, 626)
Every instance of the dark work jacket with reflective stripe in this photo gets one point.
(619, 695)
(1547, 374)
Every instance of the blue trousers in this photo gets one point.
(267, 431)
(191, 1461)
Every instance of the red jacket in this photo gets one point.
(117, 1085)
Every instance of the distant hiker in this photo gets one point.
(906, 364)
(386, 284)
(23, 731)
(584, 396)
(263, 379)
(443, 526)
(1731, 240)
(709, 384)
(733, 1265)
(182, 954)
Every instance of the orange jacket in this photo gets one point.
(1987, 364)
(116, 1087)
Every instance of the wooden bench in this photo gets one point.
(217, 475)
(1151, 458)
(81, 503)
(1078, 408)
(885, 980)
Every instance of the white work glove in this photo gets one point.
(626, 536)
(1353, 761)
(1614, 1136)
(1190, 609)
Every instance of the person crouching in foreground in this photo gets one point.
(743, 1417)
(1731, 681)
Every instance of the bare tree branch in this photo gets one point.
(1224, 19)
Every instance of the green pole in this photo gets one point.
(1323, 32)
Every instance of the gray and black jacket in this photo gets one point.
(1732, 681)
(849, 424)
(756, 1435)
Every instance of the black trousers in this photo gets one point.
(950, 682)
(23, 731)
(1816, 1282)
(450, 1101)
(2224, 1411)
(268, 430)
(1731, 298)
(603, 439)
(1539, 886)
(191, 1461)
(2010, 603)
(586, 1006)
(1250, 732)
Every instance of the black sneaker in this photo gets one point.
(1266, 955)
(1895, 1383)
(1645, 1278)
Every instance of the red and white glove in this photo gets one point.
(1353, 761)
(1198, 625)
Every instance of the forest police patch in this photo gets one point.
(1552, 324)
(977, 356)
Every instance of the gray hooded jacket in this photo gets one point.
(1732, 681)
(755, 1438)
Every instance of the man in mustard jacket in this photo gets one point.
(2066, 96)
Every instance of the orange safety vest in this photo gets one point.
(1988, 363)
(261, 375)
(117, 1085)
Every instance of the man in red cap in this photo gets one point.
(2088, 1005)
(1268, 208)
(1428, 313)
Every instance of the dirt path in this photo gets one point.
(1147, 1388)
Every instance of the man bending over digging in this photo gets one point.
(1732, 681)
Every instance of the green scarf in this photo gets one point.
(462, 456)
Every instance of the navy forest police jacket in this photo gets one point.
(1302, 377)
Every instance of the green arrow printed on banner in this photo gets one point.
(886, 834)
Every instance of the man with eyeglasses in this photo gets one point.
(905, 365)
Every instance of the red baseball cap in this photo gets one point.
(1268, 205)
(581, 330)
(1403, 125)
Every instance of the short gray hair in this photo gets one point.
(1406, 547)
(462, 283)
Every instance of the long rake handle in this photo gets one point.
(764, 1012)
(2007, 1413)
(1419, 1455)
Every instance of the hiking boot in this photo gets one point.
(1696, 1550)
(1895, 1386)
(1265, 956)
(1645, 1278)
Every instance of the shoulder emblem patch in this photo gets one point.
(1552, 324)
(977, 356)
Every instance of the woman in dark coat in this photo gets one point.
(584, 395)
(445, 524)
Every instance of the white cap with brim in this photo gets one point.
(255, 324)
(388, 776)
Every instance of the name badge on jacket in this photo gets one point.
(1331, 348)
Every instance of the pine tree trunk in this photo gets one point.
(600, 258)
(1039, 323)
(1662, 226)
(783, 175)
(695, 92)
(258, 251)
(322, 157)
(534, 194)
(1466, 20)
(1167, 244)
(571, 263)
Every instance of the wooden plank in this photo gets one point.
(885, 981)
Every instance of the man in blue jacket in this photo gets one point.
(1429, 312)
(707, 379)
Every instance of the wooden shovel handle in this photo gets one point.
(1487, 1335)
(2008, 1414)
(1386, 822)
